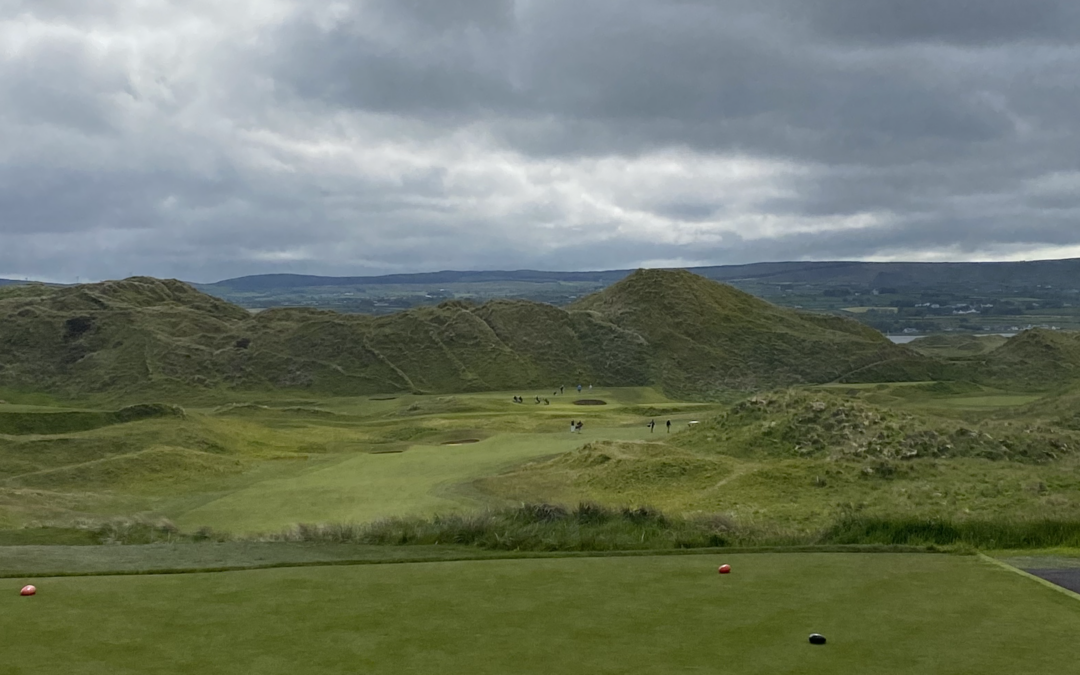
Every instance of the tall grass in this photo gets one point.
(591, 527)
(1000, 533)
(549, 527)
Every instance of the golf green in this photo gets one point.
(882, 613)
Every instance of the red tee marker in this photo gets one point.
(28, 590)
(725, 569)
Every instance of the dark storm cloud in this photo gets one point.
(628, 77)
(207, 139)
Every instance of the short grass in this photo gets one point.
(362, 487)
(882, 614)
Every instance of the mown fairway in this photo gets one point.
(364, 487)
(882, 613)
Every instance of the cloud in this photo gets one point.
(205, 139)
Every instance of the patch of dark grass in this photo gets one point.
(980, 534)
(550, 527)
(52, 423)
(592, 527)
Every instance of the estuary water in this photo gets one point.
(904, 339)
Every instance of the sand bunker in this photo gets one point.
(462, 442)
(590, 401)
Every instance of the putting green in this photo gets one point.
(882, 614)
(364, 487)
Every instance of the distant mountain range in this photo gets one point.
(1001, 274)
(989, 274)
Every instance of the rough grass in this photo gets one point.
(957, 346)
(66, 422)
(594, 527)
(825, 424)
(798, 459)
(543, 527)
(1000, 533)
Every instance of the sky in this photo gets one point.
(208, 139)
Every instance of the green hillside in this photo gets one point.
(703, 336)
(144, 337)
(827, 425)
(957, 346)
(805, 457)
(1036, 359)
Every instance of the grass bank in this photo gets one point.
(591, 527)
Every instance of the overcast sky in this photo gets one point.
(206, 139)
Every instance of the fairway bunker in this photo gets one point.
(465, 441)
(590, 401)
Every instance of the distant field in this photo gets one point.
(864, 310)
(882, 614)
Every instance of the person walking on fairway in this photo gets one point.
(562, 387)
(669, 426)
(579, 389)
(651, 424)
(572, 426)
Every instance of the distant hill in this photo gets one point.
(1036, 358)
(946, 346)
(264, 282)
(674, 329)
(990, 275)
(700, 332)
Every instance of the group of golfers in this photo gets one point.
(575, 425)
